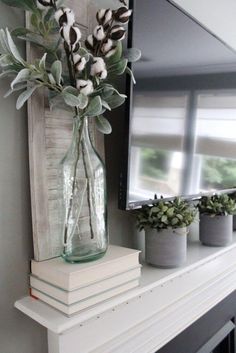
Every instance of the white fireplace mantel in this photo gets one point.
(144, 319)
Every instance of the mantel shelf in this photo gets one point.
(141, 321)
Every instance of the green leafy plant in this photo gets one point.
(79, 75)
(217, 205)
(166, 214)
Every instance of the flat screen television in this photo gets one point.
(180, 122)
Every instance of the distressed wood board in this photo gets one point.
(49, 137)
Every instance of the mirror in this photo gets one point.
(182, 133)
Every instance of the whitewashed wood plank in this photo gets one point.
(49, 138)
(37, 157)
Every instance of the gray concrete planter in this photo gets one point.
(166, 248)
(216, 231)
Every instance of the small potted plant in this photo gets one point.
(216, 219)
(165, 225)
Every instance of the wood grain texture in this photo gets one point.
(49, 138)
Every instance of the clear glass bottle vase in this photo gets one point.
(83, 202)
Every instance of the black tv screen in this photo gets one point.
(181, 115)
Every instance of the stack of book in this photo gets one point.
(71, 288)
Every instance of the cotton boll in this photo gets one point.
(89, 42)
(71, 35)
(107, 46)
(58, 14)
(76, 58)
(84, 86)
(98, 66)
(110, 53)
(122, 14)
(117, 33)
(104, 16)
(99, 33)
(79, 62)
(43, 4)
(65, 16)
(75, 37)
(103, 74)
(81, 65)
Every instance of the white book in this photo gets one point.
(70, 297)
(85, 304)
(73, 276)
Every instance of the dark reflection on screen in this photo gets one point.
(183, 123)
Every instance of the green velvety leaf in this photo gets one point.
(7, 73)
(115, 101)
(59, 103)
(116, 56)
(34, 20)
(71, 90)
(56, 70)
(107, 92)
(132, 54)
(130, 72)
(24, 96)
(42, 62)
(83, 52)
(70, 99)
(5, 60)
(4, 48)
(94, 107)
(51, 79)
(118, 68)
(34, 39)
(21, 31)
(105, 105)
(18, 87)
(83, 101)
(103, 125)
(22, 76)
(13, 47)
(49, 15)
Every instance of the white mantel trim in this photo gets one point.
(145, 319)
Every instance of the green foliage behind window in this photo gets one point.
(219, 173)
(154, 163)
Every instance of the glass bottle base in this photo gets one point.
(78, 256)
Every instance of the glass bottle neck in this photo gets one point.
(80, 131)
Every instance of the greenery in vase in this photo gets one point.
(166, 214)
(217, 205)
(79, 75)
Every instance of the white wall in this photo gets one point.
(217, 16)
(18, 334)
